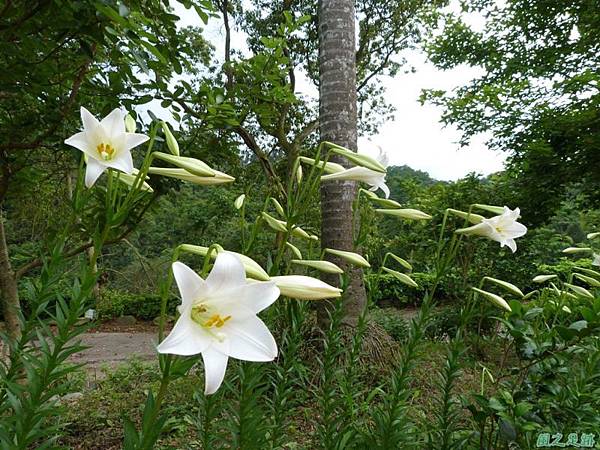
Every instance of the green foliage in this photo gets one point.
(37, 375)
(113, 304)
(536, 95)
(392, 321)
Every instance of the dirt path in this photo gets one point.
(112, 348)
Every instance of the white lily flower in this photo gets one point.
(503, 228)
(106, 144)
(253, 269)
(219, 318)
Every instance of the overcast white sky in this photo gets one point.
(416, 137)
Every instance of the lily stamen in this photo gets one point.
(106, 151)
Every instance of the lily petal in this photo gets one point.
(215, 365)
(93, 170)
(114, 123)
(385, 189)
(250, 340)
(510, 243)
(186, 338)
(90, 123)
(189, 283)
(123, 162)
(259, 296)
(79, 141)
(134, 139)
(228, 272)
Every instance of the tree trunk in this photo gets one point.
(338, 124)
(9, 293)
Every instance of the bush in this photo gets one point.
(388, 287)
(114, 303)
(394, 324)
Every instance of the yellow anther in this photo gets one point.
(106, 151)
(201, 315)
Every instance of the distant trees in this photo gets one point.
(539, 94)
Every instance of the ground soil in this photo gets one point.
(111, 344)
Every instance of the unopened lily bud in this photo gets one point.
(587, 271)
(403, 278)
(530, 294)
(252, 268)
(305, 288)
(129, 180)
(328, 167)
(171, 141)
(580, 291)
(490, 208)
(495, 299)
(299, 174)
(404, 263)
(596, 261)
(369, 194)
(192, 165)
(239, 202)
(589, 280)
(575, 250)
(323, 266)
(299, 232)
(278, 207)
(182, 174)
(275, 224)
(543, 278)
(130, 125)
(295, 250)
(351, 257)
(386, 202)
(506, 285)
(360, 159)
(413, 214)
(471, 217)
(593, 235)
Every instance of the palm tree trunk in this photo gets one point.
(9, 294)
(338, 124)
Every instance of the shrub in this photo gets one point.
(114, 303)
(393, 323)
